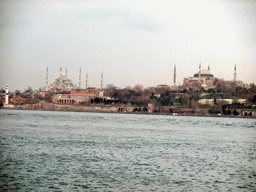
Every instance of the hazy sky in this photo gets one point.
(130, 42)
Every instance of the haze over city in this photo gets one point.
(130, 42)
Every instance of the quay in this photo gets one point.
(128, 110)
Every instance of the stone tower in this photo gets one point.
(7, 95)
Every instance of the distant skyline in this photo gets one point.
(131, 42)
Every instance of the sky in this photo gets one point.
(129, 41)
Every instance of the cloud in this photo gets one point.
(135, 25)
(113, 35)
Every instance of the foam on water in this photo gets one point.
(46, 151)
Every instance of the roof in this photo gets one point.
(83, 94)
(204, 72)
(95, 90)
(24, 99)
(138, 90)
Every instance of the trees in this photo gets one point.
(153, 101)
(29, 89)
(254, 99)
(17, 92)
(220, 103)
(1, 102)
(11, 95)
(252, 88)
(166, 97)
(38, 96)
(138, 86)
(140, 101)
(184, 91)
(128, 88)
(110, 87)
(23, 95)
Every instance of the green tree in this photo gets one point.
(153, 101)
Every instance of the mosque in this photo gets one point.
(64, 83)
(203, 78)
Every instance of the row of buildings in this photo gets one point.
(67, 92)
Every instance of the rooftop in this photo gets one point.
(204, 73)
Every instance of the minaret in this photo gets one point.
(235, 73)
(86, 83)
(208, 67)
(46, 83)
(7, 95)
(60, 71)
(102, 81)
(61, 77)
(66, 72)
(174, 77)
(199, 72)
(80, 79)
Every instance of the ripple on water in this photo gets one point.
(117, 152)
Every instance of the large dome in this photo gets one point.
(63, 82)
(204, 73)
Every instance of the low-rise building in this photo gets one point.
(74, 98)
(211, 102)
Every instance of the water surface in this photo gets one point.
(75, 151)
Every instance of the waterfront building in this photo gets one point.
(211, 102)
(74, 98)
(21, 101)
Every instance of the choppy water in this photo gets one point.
(66, 151)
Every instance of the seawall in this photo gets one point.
(122, 109)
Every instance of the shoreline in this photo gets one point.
(139, 113)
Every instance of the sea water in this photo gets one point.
(77, 151)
